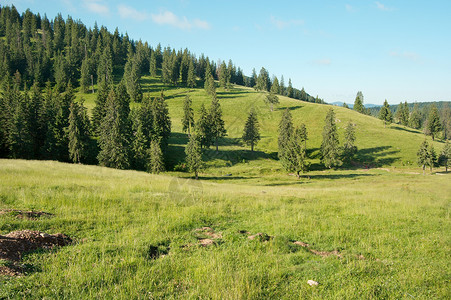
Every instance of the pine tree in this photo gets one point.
(330, 143)
(156, 163)
(432, 157)
(251, 133)
(433, 125)
(385, 113)
(114, 130)
(105, 66)
(349, 148)
(286, 130)
(446, 121)
(253, 79)
(223, 75)
(445, 157)
(275, 88)
(85, 76)
(290, 89)
(78, 132)
(194, 155)
(423, 155)
(203, 128)
(161, 121)
(20, 138)
(263, 82)
(209, 85)
(98, 112)
(271, 99)
(358, 103)
(153, 64)
(282, 86)
(188, 115)
(405, 114)
(132, 76)
(140, 142)
(216, 122)
(415, 117)
(191, 81)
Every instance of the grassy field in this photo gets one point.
(391, 230)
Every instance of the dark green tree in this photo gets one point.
(203, 128)
(194, 155)
(156, 161)
(275, 87)
(415, 117)
(224, 79)
(251, 132)
(161, 121)
(263, 81)
(78, 132)
(349, 148)
(209, 85)
(433, 122)
(98, 112)
(105, 66)
(188, 115)
(20, 139)
(286, 130)
(432, 157)
(216, 122)
(423, 155)
(445, 156)
(290, 91)
(358, 103)
(385, 113)
(85, 76)
(153, 64)
(271, 99)
(445, 118)
(191, 80)
(330, 144)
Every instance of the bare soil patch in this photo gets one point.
(14, 244)
(23, 214)
(206, 236)
(316, 252)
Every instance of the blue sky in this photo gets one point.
(388, 49)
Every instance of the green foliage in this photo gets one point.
(271, 99)
(203, 128)
(191, 80)
(349, 148)
(385, 114)
(330, 145)
(290, 89)
(426, 156)
(263, 81)
(132, 75)
(275, 88)
(358, 103)
(294, 155)
(286, 130)
(415, 117)
(78, 132)
(251, 132)
(194, 155)
(402, 114)
(156, 162)
(188, 115)
(433, 122)
(216, 121)
(445, 156)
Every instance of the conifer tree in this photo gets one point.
(114, 130)
(446, 121)
(153, 64)
(415, 117)
(216, 122)
(282, 86)
(98, 112)
(263, 82)
(358, 103)
(194, 155)
(20, 138)
(433, 123)
(275, 88)
(61, 138)
(140, 142)
(385, 113)
(405, 114)
(223, 75)
(445, 156)
(251, 133)
(209, 85)
(271, 99)
(191, 81)
(78, 132)
(161, 121)
(330, 144)
(253, 79)
(286, 130)
(349, 148)
(85, 76)
(203, 128)
(105, 66)
(423, 155)
(290, 89)
(156, 162)
(188, 115)
(432, 157)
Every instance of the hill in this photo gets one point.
(365, 233)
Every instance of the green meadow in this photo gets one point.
(379, 229)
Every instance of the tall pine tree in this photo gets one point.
(188, 115)
(330, 144)
(251, 132)
(216, 122)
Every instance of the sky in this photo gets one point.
(399, 50)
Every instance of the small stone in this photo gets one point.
(312, 282)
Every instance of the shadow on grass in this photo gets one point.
(231, 94)
(306, 178)
(289, 107)
(376, 156)
(404, 129)
(228, 178)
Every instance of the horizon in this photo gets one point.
(392, 50)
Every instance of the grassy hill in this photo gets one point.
(379, 146)
(370, 234)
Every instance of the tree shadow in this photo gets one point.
(231, 94)
(376, 156)
(289, 107)
(227, 177)
(232, 157)
(306, 178)
(405, 129)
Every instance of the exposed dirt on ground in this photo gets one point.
(316, 252)
(206, 236)
(14, 244)
(263, 237)
(23, 214)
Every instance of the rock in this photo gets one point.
(312, 282)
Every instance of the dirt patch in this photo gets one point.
(263, 237)
(23, 214)
(316, 252)
(206, 232)
(13, 245)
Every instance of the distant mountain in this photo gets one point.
(339, 103)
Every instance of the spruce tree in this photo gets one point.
(415, 117)
(423, 155)
(223, 75)
(105, 66)
(405, 114)
(188, 115)
(153, 64)
(275, 88)
(251, 132)
(433, 123)
(161, 121)
(20, 139)
(216, 122)
(85, 76)
(98, 112)
(140, 142)
(286, 130)
(78, 132)
(445, 156)
(271, 99)
(349, 148)
(203, 128)
(385, 113)
(289, 89)
(156, 162)
(194, 155)
(432, 157)
(330, 144)
(358, 103)
(191, 81)
(263, 82)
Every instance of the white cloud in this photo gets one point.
(127, 12)
(169, 18)
(406, 55)
(381, 6)
(96, 7)
(281, 24)
(323, 62)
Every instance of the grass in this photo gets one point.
(399, 222)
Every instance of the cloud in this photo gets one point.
(381, 6)
(323, 62)
(412, 56)
(96, 7)
(169, 18)
(127, 12)
(281, 24)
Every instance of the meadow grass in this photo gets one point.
(392, 230)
